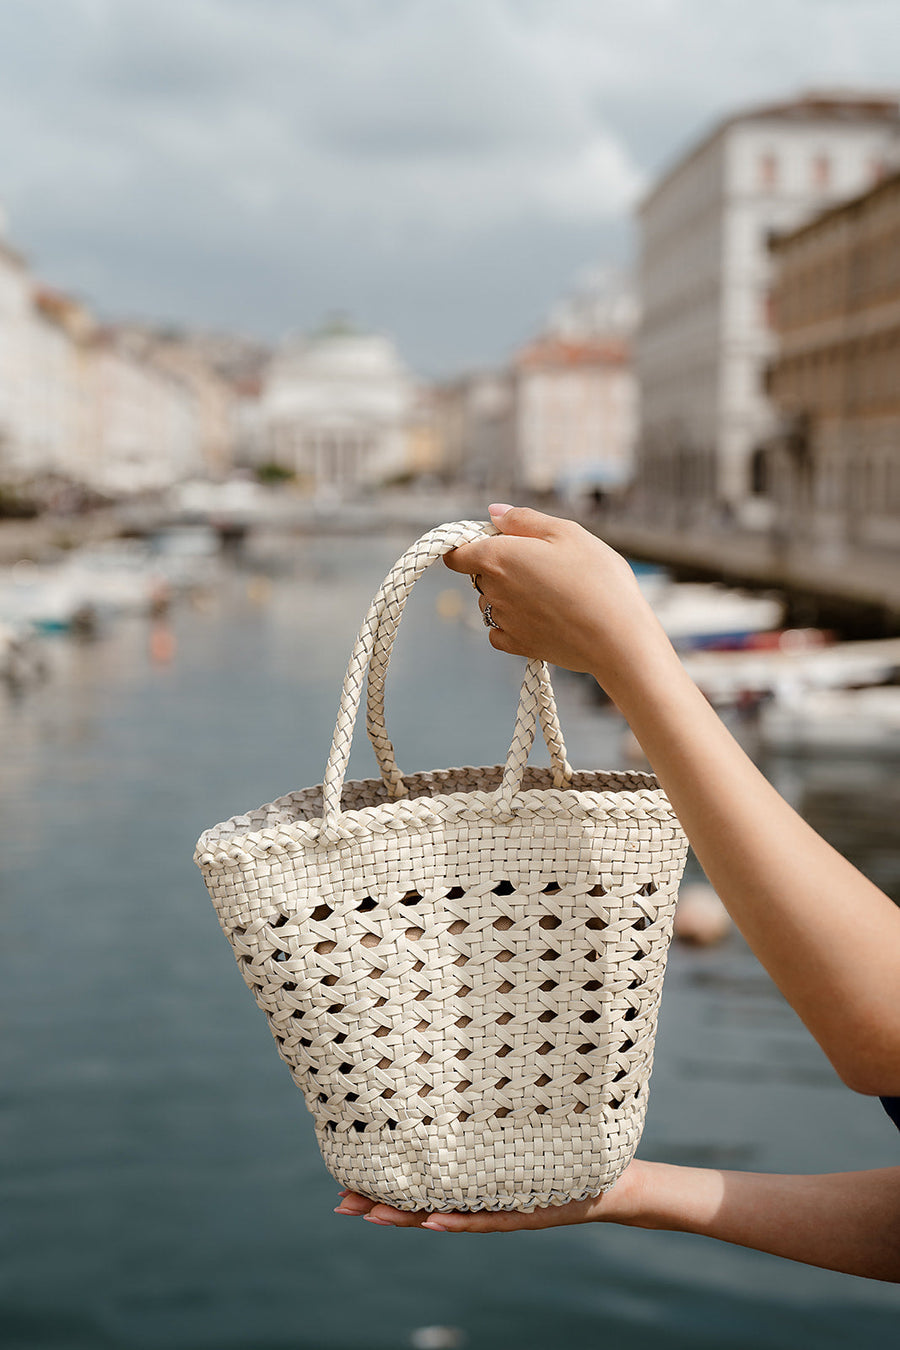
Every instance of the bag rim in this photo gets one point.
(641, 797)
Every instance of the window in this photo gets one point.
(768, 170)
(821, 172)
(759, 472)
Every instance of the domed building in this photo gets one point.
(336, 409)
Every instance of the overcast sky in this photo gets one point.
(440, 169)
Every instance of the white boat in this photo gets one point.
(702, 615)
(115, 577)
(39, 597)
(798, 663)
(849, 721)
(118, 576)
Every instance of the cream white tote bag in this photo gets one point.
(461, 968)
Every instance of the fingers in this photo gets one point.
(354, 1204)
(523, 521)
(472, 558)
(359, 1206)
(481, 555)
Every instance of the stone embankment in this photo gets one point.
(43, 537)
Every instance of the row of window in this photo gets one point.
(844, 282)
(846, 378)
(868, 481)
(820, 171)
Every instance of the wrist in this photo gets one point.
(636, 677)
(680, 1199)
(625, 1202)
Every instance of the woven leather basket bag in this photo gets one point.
(461, 968)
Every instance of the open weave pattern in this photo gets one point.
(464, 982)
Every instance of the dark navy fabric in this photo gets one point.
(892, 1106)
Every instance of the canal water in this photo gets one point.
(161, 1185)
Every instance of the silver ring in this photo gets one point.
(488, 618)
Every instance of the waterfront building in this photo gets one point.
(705, 332)
(424, 452)
(15, 309)
(56, 426)
(475, 427)
(575, 415)
(832, 469)
(336, 410)
(250, 446)
(145, 423)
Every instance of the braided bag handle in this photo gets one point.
(377, 633)
(391, 615)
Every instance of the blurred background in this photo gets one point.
(282, 285)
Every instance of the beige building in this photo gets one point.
(705, 334)
(575, 415)
(833, 470)
(15, 317)
(57, 428)
(475, 426)
(145, 424)
(213, 397)
(120, 410)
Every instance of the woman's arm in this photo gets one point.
(847, 1221)
(828, 937)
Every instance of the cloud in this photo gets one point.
(191, 152)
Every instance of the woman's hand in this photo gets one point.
(560, 594)
(844, 1221)
(620, 1204)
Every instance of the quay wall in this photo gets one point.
(857, 593)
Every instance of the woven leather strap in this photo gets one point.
(371, 653)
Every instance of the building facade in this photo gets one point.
(833, 467)
(15, 314)
(575, 416)
(119, 410)
(339, 410)
(145, 425)
(475, 425)
(705, 334)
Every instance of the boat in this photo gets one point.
(40, 598)
(90, 584)
(21, 662)
(833, 721)
(117, 576)
(804, 659)
(697, 615)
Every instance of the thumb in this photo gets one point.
(522, 520)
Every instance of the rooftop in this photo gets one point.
(561, 352)
(815, 105)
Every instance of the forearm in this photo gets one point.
(828, 937)
(848, 1221)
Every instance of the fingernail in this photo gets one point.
(340, 1210)
(499, 509)
(383, 1223)
(435, 1227)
